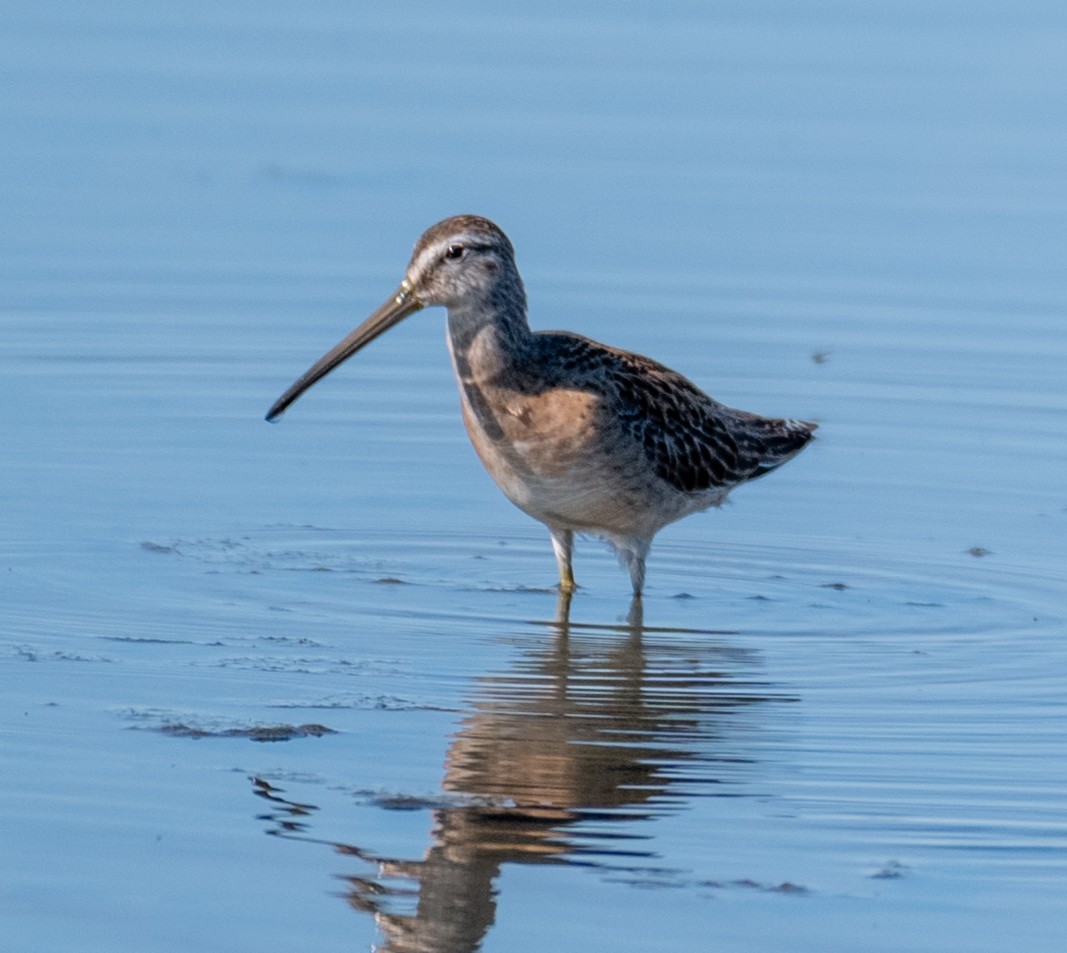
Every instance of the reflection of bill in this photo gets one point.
(583, 731)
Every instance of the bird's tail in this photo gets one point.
(774, 442)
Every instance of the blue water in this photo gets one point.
(839, 724)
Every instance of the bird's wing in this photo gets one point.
(693, 442)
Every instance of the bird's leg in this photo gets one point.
(635, 618)
(633, 555)
(563, 547)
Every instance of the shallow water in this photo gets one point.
(838, 723)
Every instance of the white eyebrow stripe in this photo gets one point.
(426, 258)
(431, 253)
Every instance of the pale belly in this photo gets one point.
(562, 459)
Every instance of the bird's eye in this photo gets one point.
(454, 251)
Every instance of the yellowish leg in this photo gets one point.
(563, 547)
(633, 556)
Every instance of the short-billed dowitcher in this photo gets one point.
(584, 437)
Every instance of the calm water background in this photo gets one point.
(842, 726)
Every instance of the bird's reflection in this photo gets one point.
(587, 729)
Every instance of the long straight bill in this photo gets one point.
(392, 312)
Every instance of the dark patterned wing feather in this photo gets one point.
(693, 442)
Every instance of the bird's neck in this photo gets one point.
(487, 336)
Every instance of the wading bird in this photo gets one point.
(584, 437)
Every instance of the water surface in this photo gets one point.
(310, 685)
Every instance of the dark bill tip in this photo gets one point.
(392, 312)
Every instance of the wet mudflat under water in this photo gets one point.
(309, 686)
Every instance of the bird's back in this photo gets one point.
(694, 444)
